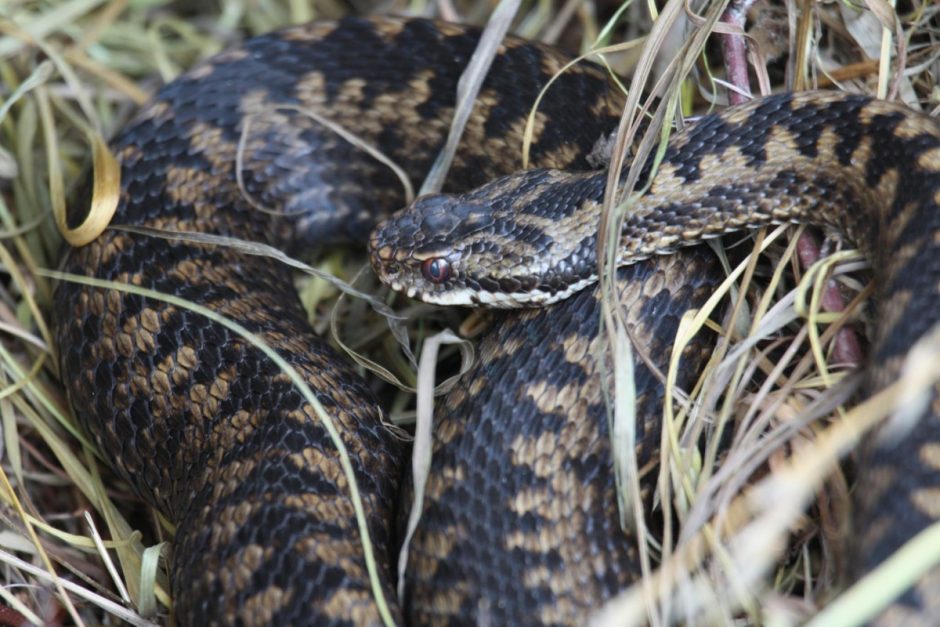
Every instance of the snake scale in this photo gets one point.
(518, 525)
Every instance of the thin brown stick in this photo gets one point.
(734, 48)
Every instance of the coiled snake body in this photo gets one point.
(520, 523)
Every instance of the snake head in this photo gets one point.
(486, 247)
(426, 251)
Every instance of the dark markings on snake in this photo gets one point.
(521, 501)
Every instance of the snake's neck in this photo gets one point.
(832, 160)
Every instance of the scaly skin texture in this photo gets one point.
(520, 524)
(868, 168)
(210, 432)
(201, 424)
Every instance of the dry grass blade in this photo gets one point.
(345, 134)
(595, 54)
(99, 544)
(467, 89)
(421, 450)
(104, 199)
(112, 608)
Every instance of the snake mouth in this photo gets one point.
(476, 297)
(413, 292)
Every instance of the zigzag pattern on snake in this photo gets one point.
(211, 433)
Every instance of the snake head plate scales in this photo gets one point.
(211, 432)
(526, 239)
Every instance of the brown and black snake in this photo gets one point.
(520, 522)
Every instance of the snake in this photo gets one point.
(519, 522)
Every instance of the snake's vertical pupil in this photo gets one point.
(436, 269)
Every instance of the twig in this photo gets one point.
(734, 48)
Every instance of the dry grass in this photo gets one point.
(73, 71)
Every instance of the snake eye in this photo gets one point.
(436, 269)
